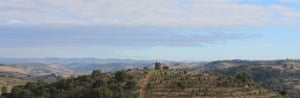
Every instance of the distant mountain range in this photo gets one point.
(71, 60)
(87, 65)
(225, 64)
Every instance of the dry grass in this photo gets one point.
(12, 69)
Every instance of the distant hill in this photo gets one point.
(34, 71)
(13, 69)
(145, 84)
(225, 64)
(49, 69)
(108, 67)
(64, 61)
(208, 66)
(85, 65)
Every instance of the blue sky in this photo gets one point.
(193, 30)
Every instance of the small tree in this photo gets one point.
(96, 73)
(121, 76)
(283, 92)
(4, 89)
(146, 68)
(131, 85)
(101, 92)
(182, 86)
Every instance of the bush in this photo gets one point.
(4, 89)
(121, 76)
(244, 77)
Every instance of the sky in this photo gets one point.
(181, 30)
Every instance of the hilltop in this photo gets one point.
(225, 64)
(145, 84)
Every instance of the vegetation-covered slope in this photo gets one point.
(284, 78)
(97, 85)
(180, 84)
(35, 71)
(144, 84)
(7, 83)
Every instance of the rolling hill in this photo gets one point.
(278, 75)
(281, 76)
(82, 65)
(145, 84)
(35, 71)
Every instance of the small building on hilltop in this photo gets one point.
(160, 66)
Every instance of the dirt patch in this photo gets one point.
(144, 87)
(13, 69)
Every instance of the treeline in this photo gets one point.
(97, 85)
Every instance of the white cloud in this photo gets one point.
(161, 13)
(285, 15)
(290, 1)
(286, 11)
(112, 36)
(263, 45)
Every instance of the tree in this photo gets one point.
(121, 76)
(4, 89)
(27, 94)
(101, 92)
(283, 92)
(99, 83)
(20, 92)
(181, 85)
(131, 85)
(96, 73)
(244, 77)
(16, 91)
(146, 68)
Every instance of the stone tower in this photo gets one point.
(158, 66)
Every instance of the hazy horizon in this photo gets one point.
(179, 30)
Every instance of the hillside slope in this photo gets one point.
(284, 78)
(145, 84)
(10, 82)
(35, 71)
(180, 84)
